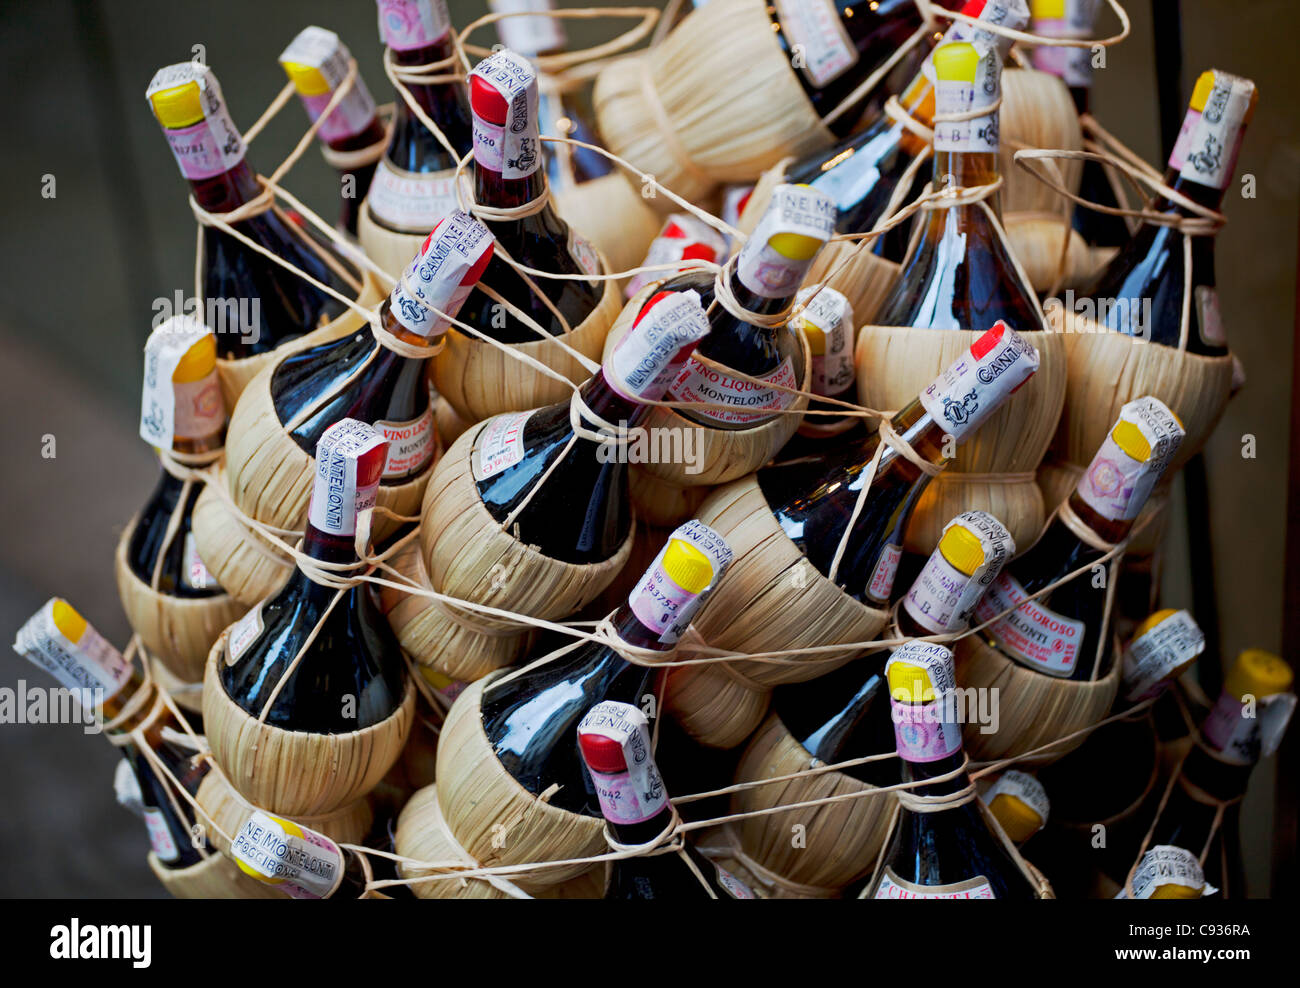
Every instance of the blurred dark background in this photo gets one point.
(79, 273)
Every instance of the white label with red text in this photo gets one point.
(243, 633)
(411, 202)
(410, 444)
(977, 382)
(882, 578)
(819, 45)
(500, 445)
(682, 238)
(160, 838)
(698, 382)
(1034, 633)
(341, 492)
(893, 887)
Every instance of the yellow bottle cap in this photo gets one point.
(1047, 10)
(1130, 439)
(815, 337)
(963, 549)
(198, 362)
(910, 683)
(1151, 622)
(957, 61)
(1017, 817)
(795, 246)
(180, 106)
(434, 678)
(686, 566)
(1258, 673)
(307, 79)
(1175, 891)
(70, 624)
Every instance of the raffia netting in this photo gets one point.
(480, 380)
(1058, 481)
(297, 773)
(215, 877)
(177, 631)
(993, 470)
(613, 215)
(187, 696)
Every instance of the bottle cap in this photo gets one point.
(68, 620)
(614, 739)
(1259, 674)
(308, 80)
(1017, 817)
(1047, 10)
(977, 382)
(956, 61)
(198, 361)
(798, 222)
(677, 583)
(179, 106)
(963, 549)
(59, 640)
(971, 552)
(1151, 621)
(910, 683)
(686, 566)
(503, 96)
(918, 672)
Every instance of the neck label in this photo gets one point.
(943, 597)
(211, 146)
(796, 212)
(406, 25)
(442, 275)
(168, 408)
(1158, 652)
(827, 322)
(1210, 139)
(661, 603)
(323, 51)
(1164, 865)
(90, 663)
(301, 863)
(1072, 65)
(652, 352)
(814, 31)
(1244, 736)
(1022, 786)
(893, 887)
(349, 465)
(627, 781)
(927, 729)
(510, 148)
(978, 381)
(978, 135)
(1116, 484)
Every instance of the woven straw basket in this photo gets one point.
(613, 215)
(215, 877)
(187, 696)
(450, 425)
(389, 249)
(297, 773)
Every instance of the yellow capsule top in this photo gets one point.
(198, 362)
(70, 623)
(180, 106)
(815, 337)
(1259, 674)
(1175, 891)
(963, 549)
(1131, 440)
(910, 683)
(307, 79)
(1151, 621)
(957, 61)
(1017, 817)
(1047, 10)
(686, 566)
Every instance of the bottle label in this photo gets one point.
(323, 51)
(942, 597)
(160, 837)
(698, 382)
(1165, 864)
(622, 800)
(1072, 65)
(243, 633)
(200, 410)
(411, 202)
(1153, 656)
(893, 887)
(978, 135)
(499, 446)
(1243, 738)
(126, 787)
(512, 148)
(652, 353)
(1209, 317)
(211, 146)
(194, 572)
(798, 210)
(410, 445)
(1032, 633)
(818, 42)
(732, 885)
(881, 583)
(442, 275)
(1022, 786)
(345, 486)
(663, 606)
(529, 35)
(1210, 140)
(635, 794)
(829, 317)
(978, 381)
(584, 253)
(88, 664)
(682, 237)
(1116, 485)
(925, 732)
(191, 409)
(300, 862)
(408, 24)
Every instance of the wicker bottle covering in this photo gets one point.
(1033, 709)
(450, 425)
(215, 877)
(613, 215)
(1058, 480)
(467, 555)
(495, 819)
(187, 696)
(896, 363)
(232, 551)
(391, 250)
(177, 631)
(695, 113)
(770, 599)
(840, 841)
(480, 380)
(661, 503)
(297, 773)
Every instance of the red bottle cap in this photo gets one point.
(602, 754)
(487, 101)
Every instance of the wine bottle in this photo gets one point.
(370, 381)
(1143, 287)
(766, 278)
(507, 174)
(960, 273)
(414, 185)
(182, 411)
(581, 513)
(814, 501)
(350, 674)
(530, 717)
(60, 641)
(1019, 803)
(300, 862)
(1168, 872)
(1066, 633)
(255, 304)
(683, 238)
(317, 62)
(614, 740)
(825, 318)
(945, 849)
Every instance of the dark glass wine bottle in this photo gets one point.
(581, 513)
(377, 385)
(254, 304)
(352, 674)
(960, 274)
(814, 500)
(1140, 293)
(938, 853)
(508, 173)
(530, 718)
(414, 184)
(615, 743)
(1067, 632)
(317, 62)
(180, 374)
(59, 640)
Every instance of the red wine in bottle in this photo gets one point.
(614, 739)
(530, 717)
(1141, 291)
(581, 512)
(1066, 633)
(508, 173)
(765, 279)
(960, 273)
(390, 392)
(948, 853)
(813, 501)
(352, 674)
(60, 641)
(316, 62)
(182, 411)
(414, 184)
(256, 304)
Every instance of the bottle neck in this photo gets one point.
(1202, 195)
(599, 396)
(644, 831)
(327, 547)
(1112, 530)
(431, 95)
(921, 771)
(926, 437)
(754, 302)
(965, 169)
(633, 631)
(492, 188)
(227, 191)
